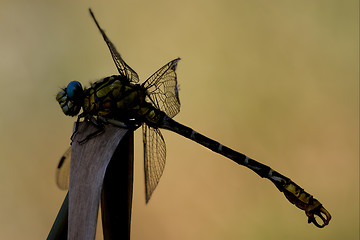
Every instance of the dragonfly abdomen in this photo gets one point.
(293, 192)
(150, 115)
(259, 168)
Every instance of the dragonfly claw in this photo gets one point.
(322, 213)
(301, 199)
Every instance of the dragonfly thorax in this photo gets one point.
(114, 97)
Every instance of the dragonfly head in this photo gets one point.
(71, 98)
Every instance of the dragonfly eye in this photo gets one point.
(74, 90)
(71, 98)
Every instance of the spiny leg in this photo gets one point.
(96, 123)
(76, 126)
(99, 122)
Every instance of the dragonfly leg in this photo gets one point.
(95, 122)
(130, 125)
(91, 135)
(99, 121)
(90, 119)
(76, 126)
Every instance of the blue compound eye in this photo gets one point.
(74, 90)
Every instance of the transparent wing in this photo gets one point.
(154, 158)
(63, 170)
(123, 68)
(163, 90)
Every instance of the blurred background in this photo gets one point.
(276, 80)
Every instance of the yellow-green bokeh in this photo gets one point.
(276, 80)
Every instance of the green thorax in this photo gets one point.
(115, 97)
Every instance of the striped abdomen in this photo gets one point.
(293, 192)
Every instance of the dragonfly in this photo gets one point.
(120, 100)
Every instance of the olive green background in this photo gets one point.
(277, 80)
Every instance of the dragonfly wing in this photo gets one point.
(123, 68)
(163, 90)
(154, 158)
(63, 170)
